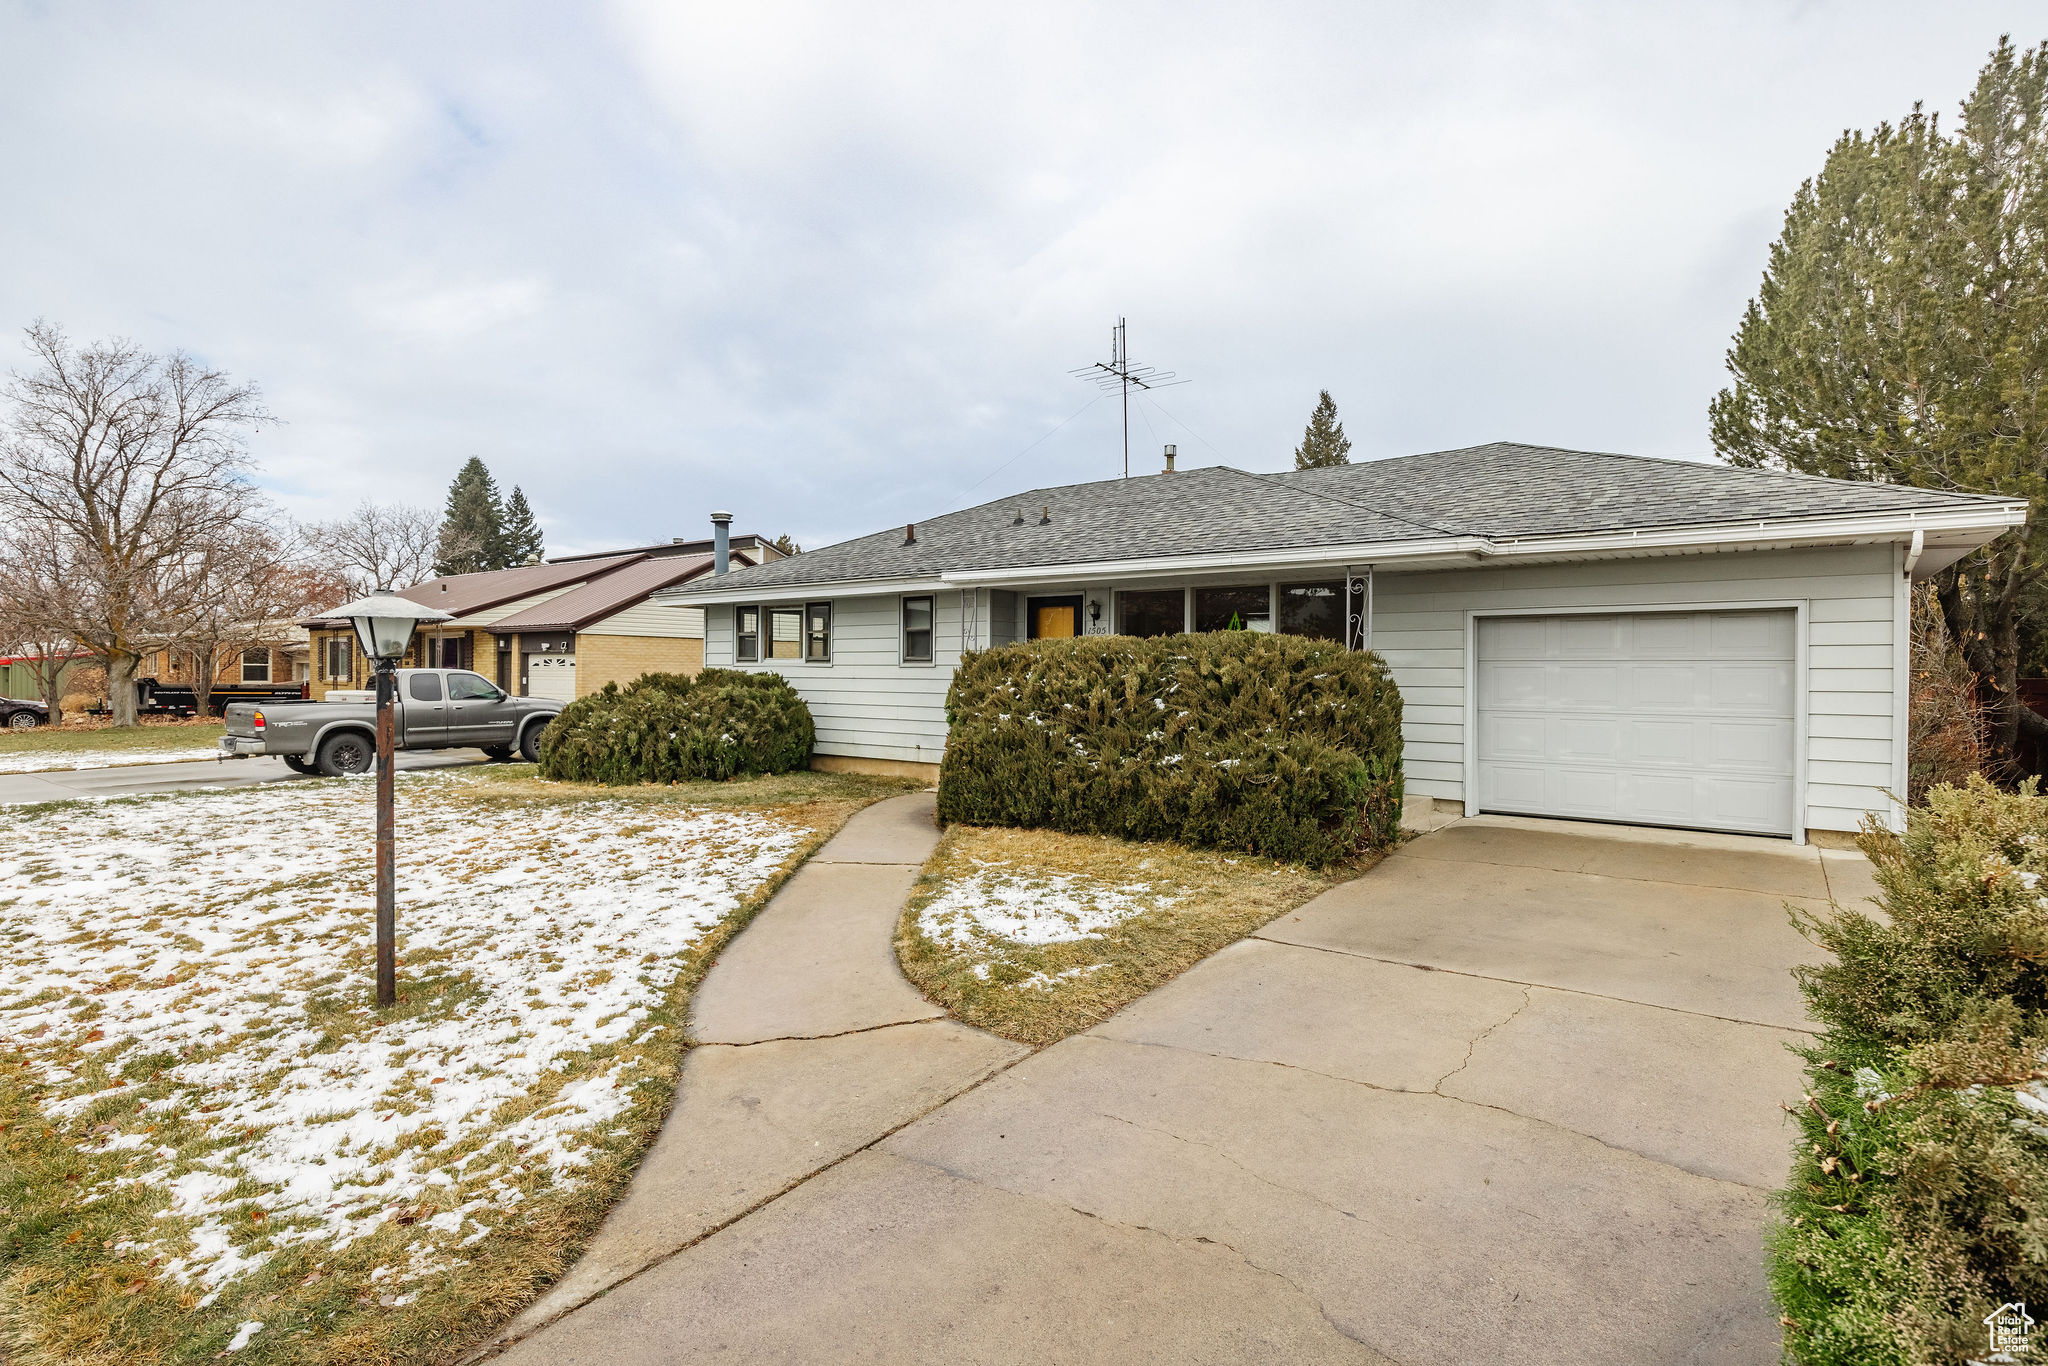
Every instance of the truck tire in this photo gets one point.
(346, 753)
(529, 742)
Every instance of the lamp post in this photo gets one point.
(384, 625)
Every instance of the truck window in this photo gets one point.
(469, 687)
(425, 687)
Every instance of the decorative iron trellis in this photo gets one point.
(970, 620)
(1357, 609)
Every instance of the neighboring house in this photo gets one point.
(527, 627)
(19, 673)
(1575, 634)
(285, 658)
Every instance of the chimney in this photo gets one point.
(1169, 458)
(910, 533)
(721, 542)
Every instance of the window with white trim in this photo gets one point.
(746, 639)
(917, 630)
(818, 632)
(255, 666)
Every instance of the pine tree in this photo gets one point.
(473, 526)
(522, 533)
(787, 546)
(1324, 442)
(1901, 336)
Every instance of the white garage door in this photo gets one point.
(1665, 718)
(551, 676)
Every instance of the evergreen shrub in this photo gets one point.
(1273, 744)
(665, 727)
(1919, 1193)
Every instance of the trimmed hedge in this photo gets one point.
(1274, 744)
(1919, 1193)
(664, 728)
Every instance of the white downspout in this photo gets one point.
(1913, 551)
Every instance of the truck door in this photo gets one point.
(478, 714)
(424, 710)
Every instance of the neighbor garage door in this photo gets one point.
(1654, 718)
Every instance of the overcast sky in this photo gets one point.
(829, 269)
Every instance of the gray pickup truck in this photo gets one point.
(437, 709)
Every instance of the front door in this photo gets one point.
(1055, 618)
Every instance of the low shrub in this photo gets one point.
(664, 727)
(1919, 1193)
(1273, 744)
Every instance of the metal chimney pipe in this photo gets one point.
(1169, 457)
(721, 542)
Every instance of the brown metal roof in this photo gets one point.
(595, 601)
(460, 594)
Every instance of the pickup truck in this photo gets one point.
(435, 709)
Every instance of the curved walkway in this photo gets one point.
(811, 1046)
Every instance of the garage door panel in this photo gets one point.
(1587, 685)
(1666, 718)
(1588, 637)
(1509, 685)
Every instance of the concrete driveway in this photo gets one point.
(1512, 1096)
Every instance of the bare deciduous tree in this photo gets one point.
(244, 589)
(128, 460)
(32, 578)
(387, 545)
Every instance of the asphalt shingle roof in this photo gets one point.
(595, 601)
(1498, 491)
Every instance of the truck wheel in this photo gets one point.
(529, 743)
(347, 753)
(498, 754)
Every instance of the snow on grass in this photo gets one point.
(217, 950)
(997, 903)
(51, 760)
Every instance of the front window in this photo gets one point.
(818, 633)
(467, 687)
(1246, 608)
(785, 632)
(1152, 612)
(337, 659)
(255, 666)
(746, 634)
(917, 630)
(1313, 609)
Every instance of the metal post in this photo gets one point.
(387, 840)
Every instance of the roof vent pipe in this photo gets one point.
(1045, 517)
(721, 542)
(1169, 458)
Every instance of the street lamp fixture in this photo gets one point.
(384, 625)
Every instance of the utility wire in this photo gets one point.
(1028, 449)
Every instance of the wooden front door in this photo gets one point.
(1055, 618)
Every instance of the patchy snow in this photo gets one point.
(243, 1333)
(52, 760)
(227, 938)
(997, 903)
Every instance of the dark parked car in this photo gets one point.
(21, 713)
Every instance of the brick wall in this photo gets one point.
(621, 659)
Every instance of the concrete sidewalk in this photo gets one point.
(811, 1046)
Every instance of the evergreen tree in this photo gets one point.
(1901, 336)
(522, 533)
(1324, 443)
(473, 525)
(787, 546)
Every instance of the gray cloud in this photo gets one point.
(830, 268)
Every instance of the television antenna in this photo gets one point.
(1119, 375)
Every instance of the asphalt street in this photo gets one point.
(18, 789)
